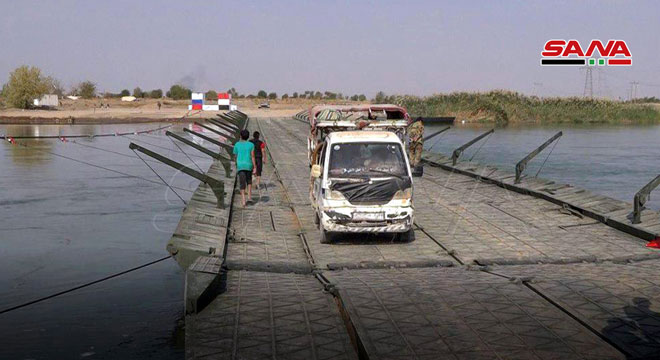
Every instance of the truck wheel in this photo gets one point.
(408, 236)
(326, 236)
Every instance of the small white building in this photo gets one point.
(47, 100)
(128, 98)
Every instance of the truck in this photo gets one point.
(361, 181)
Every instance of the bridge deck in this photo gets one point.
(289, 296)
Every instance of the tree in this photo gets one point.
(272, 96)
(362, 97)
(125, 92)
(318, 95)
(211, 94)
(295, 95)
(380, 97)
(179, 92)
(138, 93)
(87, 89)
(54, 86)
(156, 94)
(262, 94)
(285, 96)
(25, 84)
(354, 98)
(233, 92)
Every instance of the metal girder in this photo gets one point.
(218, 187)
(232, 121)
(226, 163)
(436, 133)
(225, 135)
(227, 147)
(641, 197)
(457, 153)
(225, 127)
(522, 164)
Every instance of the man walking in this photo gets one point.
(259, 147)
(245, 164)
(416, 141)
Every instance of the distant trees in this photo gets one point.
(211, 94)
(125, 92)
(156, 94)
(262, 94)
(179, 92)
(272, 96)
(25, 84)
(285, 96)
(362, 97)
(87, 89)
(294, 95)
(380, 97)
(138, 93)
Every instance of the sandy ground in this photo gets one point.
(90, 111)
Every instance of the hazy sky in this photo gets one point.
(412, 47)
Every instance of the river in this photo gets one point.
(615, 161)
(65, 223)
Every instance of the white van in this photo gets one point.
(362, 183)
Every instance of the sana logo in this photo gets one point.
(559, 52)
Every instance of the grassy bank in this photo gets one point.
(503, 107)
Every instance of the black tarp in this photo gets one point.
(376, 192)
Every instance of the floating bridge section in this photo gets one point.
(498, 270)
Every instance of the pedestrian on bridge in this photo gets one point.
(245, 165)
(259, 147)
(415, 141)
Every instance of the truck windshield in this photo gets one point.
(366, 159)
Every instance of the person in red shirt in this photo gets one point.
(259, 148)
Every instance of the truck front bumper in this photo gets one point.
(398, 221)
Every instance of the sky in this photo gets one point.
(352, 47)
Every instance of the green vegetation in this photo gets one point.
(156, 94)
(25, 84)
(262, 94)
(272, 96)
(179, 92)
(125, 92)
(138, 93)
(504, 107)
(86, 89)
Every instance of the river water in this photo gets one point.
(65, 223)
(615, 161)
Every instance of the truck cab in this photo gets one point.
(361, 183)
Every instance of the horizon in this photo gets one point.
(358, 49)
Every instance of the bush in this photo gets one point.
(362, 97)
(125, 92)
(138, 93)
(211, 94)
(294, 95)
(179, 92)
(262, 94)
(272, 96)
(25, 84)
(87, 89)
(285, 96)
(156, 94)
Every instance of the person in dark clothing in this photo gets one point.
(259, 148)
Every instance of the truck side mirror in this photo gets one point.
(316, 171)
(417, 171)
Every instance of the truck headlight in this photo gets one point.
(405, 194)
(334, 195)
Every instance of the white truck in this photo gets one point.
(361, 180)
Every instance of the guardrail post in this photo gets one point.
(227, 147)
(226, 163)
(641, 197)
(436, 133)
(522, 164)
(457, 153)
(224, 135)
(218, 187)
(226, 127)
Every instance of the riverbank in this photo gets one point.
(509, 108)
